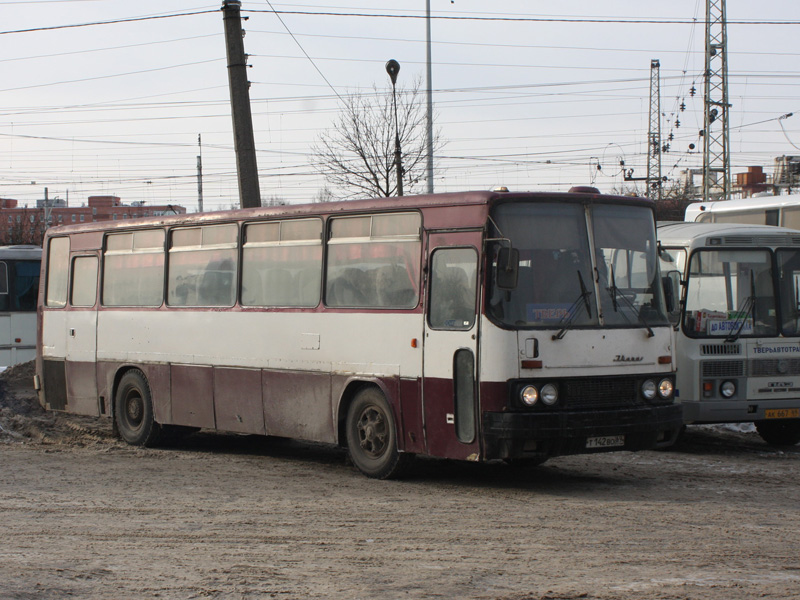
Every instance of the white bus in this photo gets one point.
(783, 211)
(473, 326)
(737, 324)
(19, 290)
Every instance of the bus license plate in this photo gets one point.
(782, 413)
(607, 441)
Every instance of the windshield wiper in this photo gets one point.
(748, 310)
(614, 291)
(571, 312)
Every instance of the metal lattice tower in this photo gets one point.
(716, 138)
(654, 134)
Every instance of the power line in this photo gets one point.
(109, 22)
(521, 19)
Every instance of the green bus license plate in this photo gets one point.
(607, 441)
(782, 413)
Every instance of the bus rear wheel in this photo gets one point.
(372, 436)
(779, 433)
(133, 411)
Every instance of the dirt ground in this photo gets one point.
(84, 516)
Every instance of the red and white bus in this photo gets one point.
(474, 326)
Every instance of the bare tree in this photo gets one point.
(356, 155)
(27, 228)
(674, 199)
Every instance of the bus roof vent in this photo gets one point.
(583, 189)
(500, 188)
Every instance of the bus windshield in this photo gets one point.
(560, 285)
(789, 289)
(730, 293)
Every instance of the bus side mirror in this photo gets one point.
(671, 282)
(507, 268)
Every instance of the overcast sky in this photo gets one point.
(529, 94)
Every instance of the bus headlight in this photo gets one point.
(529, 395)
(549, 394)
(649, 389)
(727, 389)
(665, 388)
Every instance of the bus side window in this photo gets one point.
(453, 280)
(4, 286)
(84, 281)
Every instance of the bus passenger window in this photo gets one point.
(202, 266)
(57, 272)
(84, 281)
(3, 286)
(453, 280)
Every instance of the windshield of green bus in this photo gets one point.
(562, 280)
(730, 293)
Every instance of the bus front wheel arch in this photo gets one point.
(372, 436)
(133, 410)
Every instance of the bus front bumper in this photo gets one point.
(518, 435)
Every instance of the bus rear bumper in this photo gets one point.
(520, 435)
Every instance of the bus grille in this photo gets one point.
(723, 368)
(767, 367)
(720, 349)
(600, 393)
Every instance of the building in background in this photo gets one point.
(26, 225)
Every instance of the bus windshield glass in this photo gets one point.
(557, 285)
(730, 293)
(789, 286)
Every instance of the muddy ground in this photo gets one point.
(84, 516)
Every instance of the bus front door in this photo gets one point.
(450, 382)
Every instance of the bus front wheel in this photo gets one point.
(133, 411)
(779, 432)
(372, 436)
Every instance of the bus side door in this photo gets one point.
(450, 382)
(81, 340)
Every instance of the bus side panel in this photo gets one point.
(192, 395)
(494, 396)
(297, 404)
(411, 436)
(238, 406)
(54, 384)
(81, 389)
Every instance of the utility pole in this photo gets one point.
(393, 68)
(429, 134)
(654, 186)
(199, 174)
(246, 168)
(716, 142)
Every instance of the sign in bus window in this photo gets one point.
(453, 280)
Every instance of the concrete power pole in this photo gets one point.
(246, 167)
(429, 120)
(199, 174)
(716, 128)
(654, 186)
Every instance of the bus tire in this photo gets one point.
(133, 411)
(372, 436)
(779, 433)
